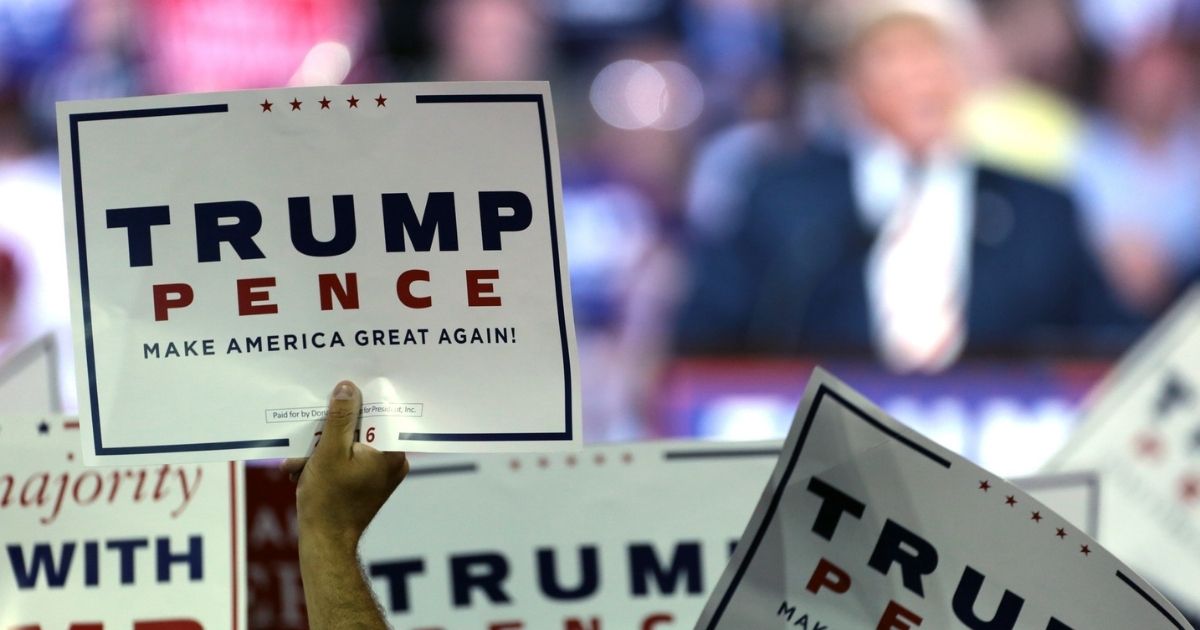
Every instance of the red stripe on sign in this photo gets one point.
(233, 528)
(71, 425)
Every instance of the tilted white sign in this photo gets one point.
(1141, 432)
(234, 255)
(156, 548)
(867, 524)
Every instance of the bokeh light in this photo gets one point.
(635, 94)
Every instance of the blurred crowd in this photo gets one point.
(913, 181)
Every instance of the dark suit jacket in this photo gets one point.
(791, 277)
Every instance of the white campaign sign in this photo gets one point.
(630, 537)
(1141, 432)
(156, 548)
(867, 524)
(234, 255)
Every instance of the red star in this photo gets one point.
(984, 485)
(353, 101)
(70, 457)
(1190, 489)
(1083, 549)
(295, 104)
(1148, 447)
(627, 458)
(543, 462)
(1060, 532)
(515, 464)
(1037, 517)
(381, 101)
(599, 459)
(1010, 500)
(571, 461)
(324, 103)
(266, 105)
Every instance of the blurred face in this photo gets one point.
(909, 84)
(1153, 86)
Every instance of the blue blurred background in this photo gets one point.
(967, 208)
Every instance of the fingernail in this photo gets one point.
(343, 391)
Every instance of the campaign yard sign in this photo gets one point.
(625, 537)
(1141, 433)
(867, 524)
(234, 255)
(147, 548)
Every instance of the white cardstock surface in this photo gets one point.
(234, 255)
(1141, 433)
(868, 524)
(159, 548)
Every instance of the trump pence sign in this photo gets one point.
(234, 255)
(868, 524)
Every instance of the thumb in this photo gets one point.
(340, 420)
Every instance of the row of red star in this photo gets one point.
(599, 459)
(1035, 516)
(352, 103)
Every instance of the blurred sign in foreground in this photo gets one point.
(630, 536)
(158, 548)
(1141, 432)
(615, 537)
(868, 524)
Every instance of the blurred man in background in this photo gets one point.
(897, 241)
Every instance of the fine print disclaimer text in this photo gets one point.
(369, 410)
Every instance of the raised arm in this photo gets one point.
(341, 488)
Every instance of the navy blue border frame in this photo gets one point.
(719, 453)
(85, 287)
(824, 391)
(443, 469)
(76, 120)
(568, 432)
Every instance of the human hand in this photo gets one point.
(343, 483)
